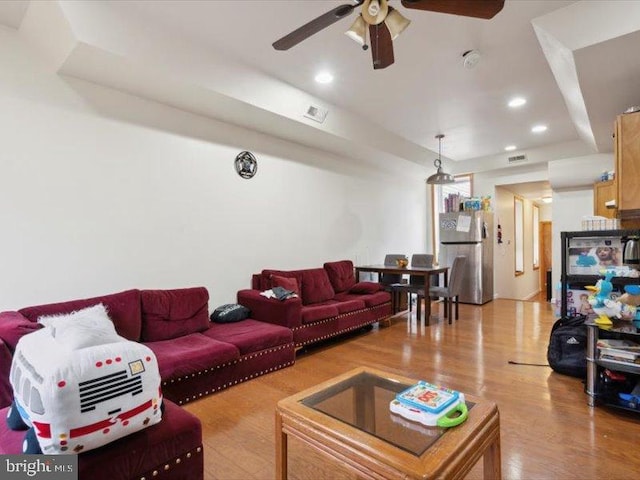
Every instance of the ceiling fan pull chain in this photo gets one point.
(365, 46)
(377, 59)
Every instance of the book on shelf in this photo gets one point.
(618, 344)
(619, 359)
(626, 354)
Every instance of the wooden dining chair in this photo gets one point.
(451, 292)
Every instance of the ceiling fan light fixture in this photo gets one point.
(373, 8)
(440, 177)
(358, 31)
(396, 23)
(374, 11)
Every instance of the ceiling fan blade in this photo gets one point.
(468, 8)
(314, 26)
(381, 46)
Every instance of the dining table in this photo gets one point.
(427, 272)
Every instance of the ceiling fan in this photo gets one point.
(384, 23)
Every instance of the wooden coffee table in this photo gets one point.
(348, 419)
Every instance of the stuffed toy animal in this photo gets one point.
(631, 295)
(601, 301)
(78, 385)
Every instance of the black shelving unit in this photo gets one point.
(597, 387)
(567, 280)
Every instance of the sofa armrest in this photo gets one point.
(6, 392)
(286, 313)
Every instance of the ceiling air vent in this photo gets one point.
(518, 158)
(316, 113)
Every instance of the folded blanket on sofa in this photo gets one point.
(279, 292)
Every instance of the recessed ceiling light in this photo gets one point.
(510, 148)
(324, 77)
(517, 102)
(539, 128)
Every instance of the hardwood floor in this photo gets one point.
(547, 429)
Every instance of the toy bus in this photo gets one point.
(78, 389)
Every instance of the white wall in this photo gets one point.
(102, 191)
(568, 209)
(546, 212)
(506, 283)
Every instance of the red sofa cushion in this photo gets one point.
(314, 313)
(6, 390)
(348, 306)
(139, 454)
(377, 298)
(170, 314)
(267, 274)
(316, 287)
(123, 309)
(191, 354)
(250, 335)
(341, 275)
(288, 283)
(366, 287)
(13, 326)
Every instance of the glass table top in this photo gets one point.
(362, 401)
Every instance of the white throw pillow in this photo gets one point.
(82, 328)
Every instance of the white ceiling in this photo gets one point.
(427, 91)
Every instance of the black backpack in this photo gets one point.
(567, 352)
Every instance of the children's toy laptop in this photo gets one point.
(431, 405)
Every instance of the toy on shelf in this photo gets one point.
(631, 302)
(606, 306)
(601, 301)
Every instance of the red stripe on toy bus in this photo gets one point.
(94, 427)
(135, 411)
(43, 429)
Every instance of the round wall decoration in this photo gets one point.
(246, 164)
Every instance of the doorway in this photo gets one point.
(545, 259)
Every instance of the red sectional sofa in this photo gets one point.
(169, 450)
(330, 302)
(195, 357)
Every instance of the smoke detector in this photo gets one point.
(470, 58)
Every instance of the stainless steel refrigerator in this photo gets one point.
(470, 234)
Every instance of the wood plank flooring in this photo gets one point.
(547, 429)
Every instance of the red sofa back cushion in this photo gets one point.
(341, 275)
(13, 326)
(266, 283)
(123, 309)
(175, 313)
(316, 286)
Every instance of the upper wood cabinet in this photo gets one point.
(604, 192)
(627, 154)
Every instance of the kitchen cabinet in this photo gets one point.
(604, 192)
(627, 156)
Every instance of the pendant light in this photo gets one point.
(440, 177)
